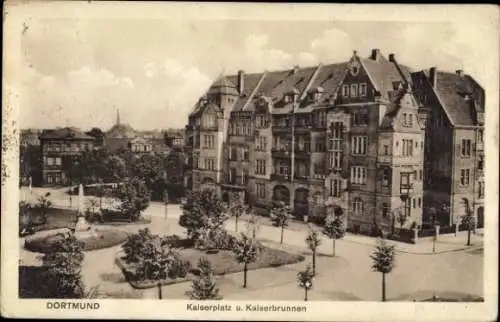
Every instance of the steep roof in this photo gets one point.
(66, 133)
(451, 89)
(384, 73)
(121, 131)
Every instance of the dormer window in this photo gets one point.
(287, 99)
(354, 90)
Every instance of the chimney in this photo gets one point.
(392, 58)
(375, 54)
(460, 73)
(433, 76)
(241, 81)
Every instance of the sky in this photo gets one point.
(78, 72)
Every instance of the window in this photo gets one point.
(232, 175)
(481, 189)
(335, 160)
(319, 168)
(345, 90)
(318, 199)
(320, 144)
(420, 175)
(410, 120)
(360, 118)
(245, 154)
(354, 90)
(233, 154)
(335, 186)
(321, 121)
(245, 177)
(414, 203)
(208, 141)
(464, 177)
(261, 167)
(480, 163)
(261, 121)
(357, 206)
(283, 169)
(480, 136)
(359, 144)
(49, 179)
(261, 143)
(209, 164)
(385, 177)
(466, 148)
(362, 89)
(358, 175)
(405, 180)
(261, 189)
(419, 202)
(405, 119)
(208, 120)
(386, 149)
(385, 210)
(407, 148)
(58, 161)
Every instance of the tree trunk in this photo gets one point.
(468, 237)
(159, 291)
(305, 296)
(245, 275)
(282, 231)
(314, 262)
(333, 242)
(236, 224)
(383, 287)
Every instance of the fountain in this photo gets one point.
(82, 227)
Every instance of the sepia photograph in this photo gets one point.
(249, 165)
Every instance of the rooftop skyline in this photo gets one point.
(79, 72)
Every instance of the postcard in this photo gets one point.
(250, 161)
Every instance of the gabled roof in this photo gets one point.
(223, 86)
(66, 133)
(384, 73)
(452, 89)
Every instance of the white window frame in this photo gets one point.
(363, 89)
(359, 145)
(358, 175)
(345, 90)
(354, 90)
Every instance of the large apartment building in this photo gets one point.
(365, 135)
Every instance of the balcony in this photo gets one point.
(319, 176)
(302, 178)
(303, 128)
(280, 177)
(281, 129)
(280, 153)
(387, 159)
(303, 154)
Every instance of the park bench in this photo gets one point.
(115, 217)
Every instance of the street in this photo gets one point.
(346, 277)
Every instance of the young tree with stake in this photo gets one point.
(334, 226)
(468, 220)
(313, 240)
(245, 251)
(237, 209)
(383, 258)
(280, 216)
(305, 278)
(205, 286)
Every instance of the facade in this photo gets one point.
(30, 161)
(353, 134)
(57, 147)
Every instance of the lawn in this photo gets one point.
(223, 262)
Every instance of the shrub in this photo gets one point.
(175, 241)
(223, 240)
(134, 247)
(179, 268)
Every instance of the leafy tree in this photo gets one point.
(98, 134)
(203, 212)
(304, 279)
(43, 205)
(401, 217)
(64, 267)
(313, 240)
(281, 214)
(205, 286)
(25, 217)
(383, 258)
(334, 225)
(245, 250)
(155, 261)
(253, 224)
(135, 244)
(237, 209)
(134, 198)
(468, 220)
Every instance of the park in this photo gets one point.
(206, 249)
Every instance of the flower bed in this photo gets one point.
(103, 238)
(223, 262)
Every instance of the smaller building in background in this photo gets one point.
(140, 145)
(58, 144)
